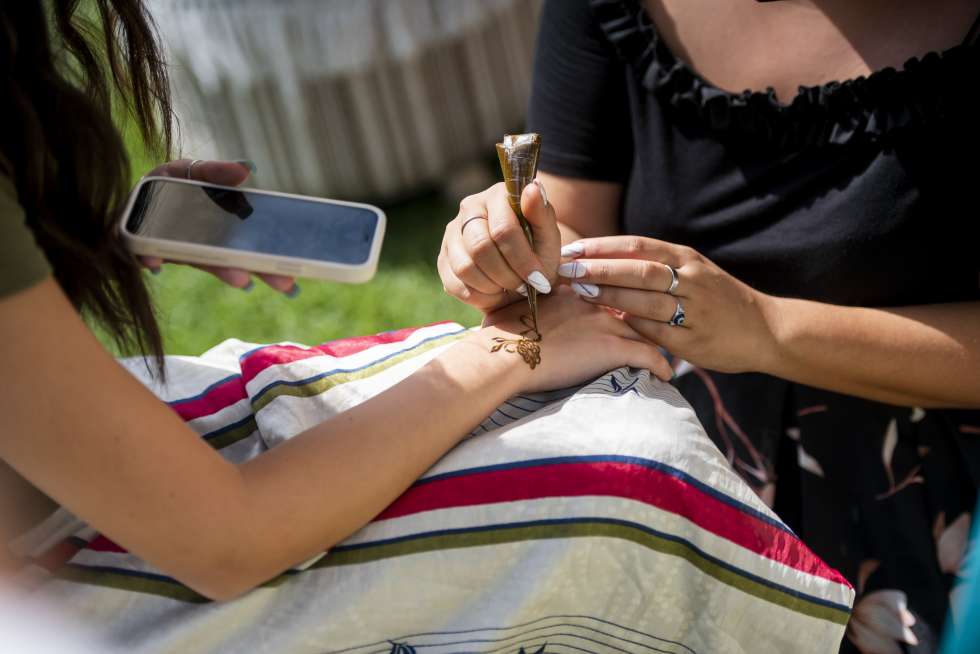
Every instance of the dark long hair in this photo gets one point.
(66, 68)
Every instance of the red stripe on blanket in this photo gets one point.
(216, 399)
(233, 390)
(616, 479)
(606, 478)
(273, 355)
(626, 480)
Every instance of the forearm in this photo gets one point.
(926, 356)
(316, 489)
(584, 208)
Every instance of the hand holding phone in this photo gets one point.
(261, 231)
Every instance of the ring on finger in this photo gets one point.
(674, 281)
(190, 168)
(679, 316)
(469, 220)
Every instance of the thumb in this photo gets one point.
(540, 214)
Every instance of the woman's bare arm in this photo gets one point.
(84, 431)
(71, 413)
(926, 356)
(584, 208)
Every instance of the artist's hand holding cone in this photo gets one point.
(486, 260)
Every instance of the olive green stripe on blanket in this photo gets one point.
(322, 384)
(492, 535)
(232, 433)
(129, 580)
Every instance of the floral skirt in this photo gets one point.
(885, 494)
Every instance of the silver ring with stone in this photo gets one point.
(678, 318)
(674, 280)
(190, 168)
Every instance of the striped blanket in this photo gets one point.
(591, 519)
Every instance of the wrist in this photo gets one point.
(775, 313)
(501, 371)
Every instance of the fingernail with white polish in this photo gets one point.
(544, 194)
(572, 269)
(539, 282)
(573, 250)
(586, 290)
(522, 289)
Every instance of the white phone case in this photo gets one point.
(253, 261)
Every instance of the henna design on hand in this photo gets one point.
(527, 345)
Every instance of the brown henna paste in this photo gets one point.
(527, 345)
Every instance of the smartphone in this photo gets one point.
(260, 231)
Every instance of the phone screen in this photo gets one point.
(256, 222)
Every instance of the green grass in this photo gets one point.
(197, 311)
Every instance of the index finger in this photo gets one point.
(508, 235)
(225, 173)
(628, 247)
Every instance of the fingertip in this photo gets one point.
(279, 283)
(543, 191)
(224, 173)
(533, 199)
(232, 277)
(248, 165)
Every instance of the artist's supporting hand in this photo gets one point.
(917, 355)
(225, 173)
(577, 345)
(727, 324)
(485, 258)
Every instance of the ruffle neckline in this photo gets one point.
(863, 108)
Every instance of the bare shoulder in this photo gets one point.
(746, 44)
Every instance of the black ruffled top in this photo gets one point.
(925, 90)
(860, 192)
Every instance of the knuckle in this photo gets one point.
(466, 270)
(468, 201)
(601, 271)
(689, 254)
(646, 272)
(694, 269)
(504, 232)
(635, 245)
(482, 247)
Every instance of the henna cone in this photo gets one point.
(518, 156)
